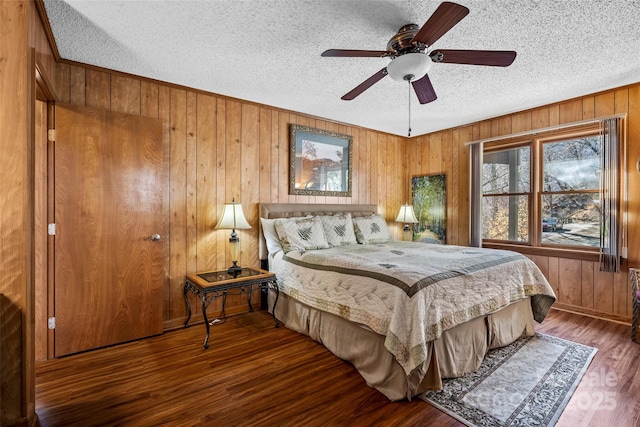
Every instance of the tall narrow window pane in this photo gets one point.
(506, 184)
(570, 198)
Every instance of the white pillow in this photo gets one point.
(270, 235)
(298, 234)
(339, 229)
(371, 229)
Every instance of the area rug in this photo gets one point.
(527, 383)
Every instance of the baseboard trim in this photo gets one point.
(592, 313)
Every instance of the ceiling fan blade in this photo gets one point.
(424, 90)
(495, 58)
(365, 85)
(355, 53)
(446, 16)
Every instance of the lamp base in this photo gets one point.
(407, 233)
(234, 269)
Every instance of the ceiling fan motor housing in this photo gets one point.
(401, 42)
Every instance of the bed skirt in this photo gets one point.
(458, 351)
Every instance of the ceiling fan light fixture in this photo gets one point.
(414, 64)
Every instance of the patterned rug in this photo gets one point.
(527, 383)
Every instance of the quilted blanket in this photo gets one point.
(412, 292)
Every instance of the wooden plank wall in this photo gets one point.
(216, 149)
(579, 285)
(17, 375)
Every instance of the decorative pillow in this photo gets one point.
(298, 234)
(270, 234)
(339, 229)
(371, 229)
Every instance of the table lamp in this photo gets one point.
(233, 218)
(407, 216)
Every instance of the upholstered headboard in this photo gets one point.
(285, 210)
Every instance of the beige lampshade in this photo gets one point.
(406, 214)
(233, 217)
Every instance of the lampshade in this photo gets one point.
(415, 64)
(233, 217)
(406, 214)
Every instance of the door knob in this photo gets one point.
(154, 237)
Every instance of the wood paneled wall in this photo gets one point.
(216, 149)
(219, 148)
(17, 380)
(579, 285)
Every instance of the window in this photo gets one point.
(570, 206)
(558, 194)
(506, 187)
(544, 192)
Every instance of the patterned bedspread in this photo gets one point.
(411, 292)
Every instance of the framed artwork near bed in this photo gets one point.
(320, 162)
(429, 199)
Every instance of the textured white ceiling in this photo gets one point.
(268, 51)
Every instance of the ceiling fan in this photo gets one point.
(411, 56)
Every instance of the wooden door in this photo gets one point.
(108, 184)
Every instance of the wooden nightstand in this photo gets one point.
(211, 285)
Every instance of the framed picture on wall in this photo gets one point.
(320, 162)
(429, 199)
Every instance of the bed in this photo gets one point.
(405, 314)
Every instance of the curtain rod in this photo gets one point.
(547, 129)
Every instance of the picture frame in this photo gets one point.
(320, 161)
(429, 200)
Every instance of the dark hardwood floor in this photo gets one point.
(255, 374)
